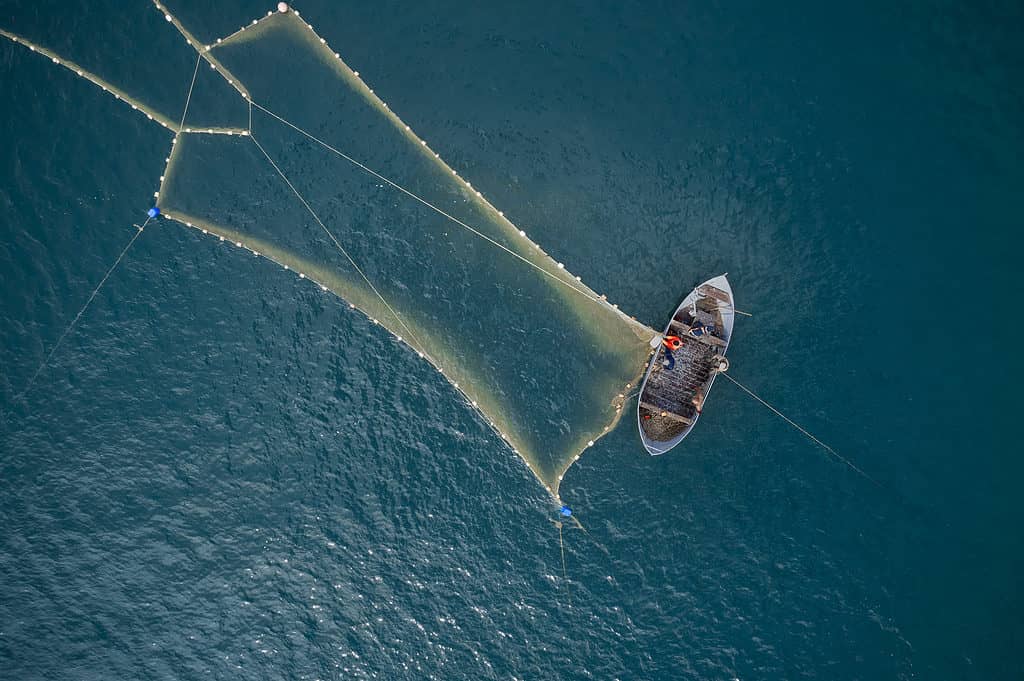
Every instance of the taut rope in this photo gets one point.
(74, 321)
(802, 430)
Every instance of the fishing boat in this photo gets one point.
(687, 357)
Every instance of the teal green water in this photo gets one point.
(400, 236)
(212, 480)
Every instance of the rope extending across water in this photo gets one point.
(78, 316)
(565, 576)
(802, 430)
(188, 98)
(131, 242)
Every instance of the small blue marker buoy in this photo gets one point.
(153, 212)
(566, 511)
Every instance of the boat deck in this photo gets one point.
(668, 395)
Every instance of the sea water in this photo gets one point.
(213, 476)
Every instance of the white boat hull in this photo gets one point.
(668, 408)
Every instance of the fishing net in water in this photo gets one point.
(309, 169)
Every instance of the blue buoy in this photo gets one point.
(566, 511)
(153, 212)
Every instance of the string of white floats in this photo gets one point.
(420, 351)
(571, 281)
(302, 275)
(202, 49)
(119, 94)
(283, 8)
(151, 115)
(205, 52)
(325, 288)
(180, 127)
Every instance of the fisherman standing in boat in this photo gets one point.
(698, 330)
(698, 400)
(671, 343)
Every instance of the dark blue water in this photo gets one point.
(211, 479)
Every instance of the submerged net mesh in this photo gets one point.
(322, 178)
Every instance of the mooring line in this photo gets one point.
(565, 575)
(802, 430)
(74, 321)
(110, 88)
(341, 248)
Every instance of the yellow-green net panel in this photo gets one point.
(534, 349)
